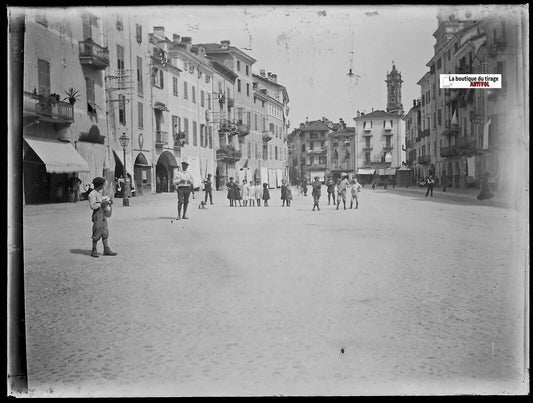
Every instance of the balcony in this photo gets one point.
(367, 133)
(94, 55)
(367, 129)
(161, 138)
(228, 153)
(47, 108)
(424, 159)
(267, 136)
(367, 148)
(447, 152)
(179, 140)
(387, 127)
(316, 151)
(242, 130)
(387, 147)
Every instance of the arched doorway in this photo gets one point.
(142, 175)
(164, 172)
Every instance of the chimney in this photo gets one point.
(262, 73)
(225, 44)
(175, 38)
(306, 119)
(358, 114)
(159, 32)
(186, 39)
(302, 125)
(274, 78)
(414, 103)
(269, 75)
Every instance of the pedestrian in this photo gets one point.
(266, 194)
(430, 183)
(304, 186)
(284, 193)
(74, 189)
(251, 194)
(59, 193)
(341, 192)
(98, 204)
(485, 190)
(258, 193)
(289, 196)
(121, 186)
(355, 189)
(245, 189)
(316, 185)
(237, 193)
(183, 182)
(208, 188)
(230, 192)
(331, 190)
(373, 184)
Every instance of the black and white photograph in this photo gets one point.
(268, 200)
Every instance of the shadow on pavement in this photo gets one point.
(85, 252)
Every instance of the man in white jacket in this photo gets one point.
(183, 181)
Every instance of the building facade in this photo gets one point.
(64, 120)
(413, 124)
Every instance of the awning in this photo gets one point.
(365, 171)
(58, 156)
(390, 171)
(120, 157)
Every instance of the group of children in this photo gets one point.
(248, 193)
(342, 189)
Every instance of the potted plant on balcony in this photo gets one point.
(72, 96)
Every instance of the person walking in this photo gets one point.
(485, 190)
(251, 194)
(229, 186)
(331, 190)
(258, 193)
(316, 185)
(355, 189)
(208, 188)
(343, 186)
(284, 193)
(266, 194)
(245, 189)
(304, 186)
(98, 203)
(430, 183)
(183, 182)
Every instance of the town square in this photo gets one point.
(268, 201)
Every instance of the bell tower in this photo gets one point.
(394, 91)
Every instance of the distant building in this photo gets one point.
(380, 142)
(341, 151)
(413, 124)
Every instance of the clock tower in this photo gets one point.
(394, 91)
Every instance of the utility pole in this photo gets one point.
(17, 370)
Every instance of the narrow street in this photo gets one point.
(406, 295)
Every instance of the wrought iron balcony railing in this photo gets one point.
(48, 108)
(161, 138)
(94, 55)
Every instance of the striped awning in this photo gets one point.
(58, 156)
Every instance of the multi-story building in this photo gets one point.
(233, 120)
(127, 85)
(465, 141)
(192, 107)
(312, 158)
(423, 163)
(273, 98)
(341, 151)
(64, 120)
(380, 143)
(413, 122)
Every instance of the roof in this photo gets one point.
(316, 126)
(217, 48)
(378, 114)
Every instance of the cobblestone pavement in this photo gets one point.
(406, 295)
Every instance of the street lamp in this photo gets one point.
(124, 140)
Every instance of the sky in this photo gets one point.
(312, 48)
